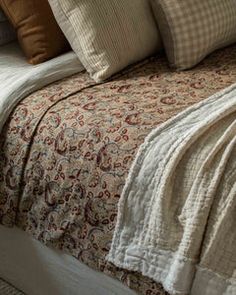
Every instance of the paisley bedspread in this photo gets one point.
(66, 151)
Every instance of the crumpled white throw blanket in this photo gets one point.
(18, 78)
(177, 215)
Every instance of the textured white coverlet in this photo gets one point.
(177, 214)
(18, 78)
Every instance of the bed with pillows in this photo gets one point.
(89, 82)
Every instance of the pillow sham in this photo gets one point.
(193, 29)
(38, 33)
(108, 35)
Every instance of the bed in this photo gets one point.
(67, 148)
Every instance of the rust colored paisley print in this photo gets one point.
(67, 149)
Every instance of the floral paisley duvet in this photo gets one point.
(66, 151)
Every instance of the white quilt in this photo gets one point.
(18, 78)
(177, 215)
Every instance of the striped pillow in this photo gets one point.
(191, 29)
(108, 35)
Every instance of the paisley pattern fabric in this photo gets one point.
(67, 149)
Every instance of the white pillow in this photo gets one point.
(108, 35)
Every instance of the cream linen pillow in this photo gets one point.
(191, 29)
(108, 35)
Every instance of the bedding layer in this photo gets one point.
(67, 149)
(54, 272)
(176, 217)
(18, 78)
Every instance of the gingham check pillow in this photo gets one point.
(191, 29)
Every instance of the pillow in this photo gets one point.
(7, 33)
(2, 16)
(38, 33)
(108, 35)
(191, 29)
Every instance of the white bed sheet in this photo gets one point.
(18, 78)
(38, 270)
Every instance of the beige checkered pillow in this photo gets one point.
(191, 29)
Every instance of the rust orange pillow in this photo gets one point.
(38, 32)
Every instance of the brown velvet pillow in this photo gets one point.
(38, 33)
